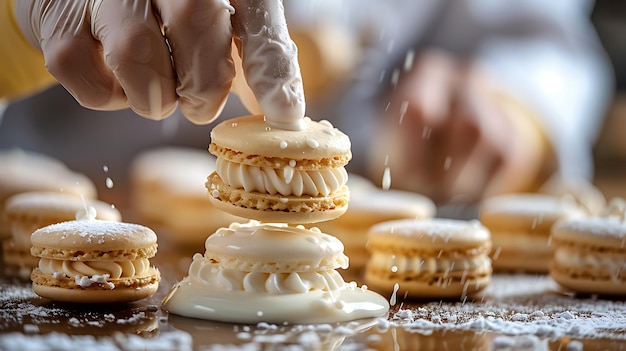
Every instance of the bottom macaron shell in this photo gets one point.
(276, 208)
(95, 296)
(430, 286)
(589, 283)
(66, 290)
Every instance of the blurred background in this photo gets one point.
(609, 19)
(103, 144)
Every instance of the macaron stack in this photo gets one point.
(252, 271)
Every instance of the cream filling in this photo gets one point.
(416, 265)
(114, 269)
(286, 181)
(566, 256)
(209, 274)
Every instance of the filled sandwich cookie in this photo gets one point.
(23, 171)
(590, 254)
(94, 261)
(275, 273)
(29, 211)
(277, 175)
(520, 227)
(429, 258)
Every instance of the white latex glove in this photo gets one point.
(114, 54)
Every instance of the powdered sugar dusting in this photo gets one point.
(94, 231)
(522, 305)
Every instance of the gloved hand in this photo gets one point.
(151, 55)
(452, 134)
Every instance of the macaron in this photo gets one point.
(168, 195)
(369, 207)
(590, 254)
(94, 261)
(520, 227)
(429, 258)
(277, 175)
(269, 272)
(29, 211)
(23, 171)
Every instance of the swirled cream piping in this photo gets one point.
(115, 270)
(285, 181)
(416, 265)
(568, 257)
(209, 274)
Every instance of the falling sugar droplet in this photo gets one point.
(105, 168)
(392, 300)
(408, 60)
(109, 183)
(386, 179)
(446, 164)
(403, 108)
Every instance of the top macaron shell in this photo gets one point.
(429, 234)
(599, 232)
(23, 171)
(56, 205)
(252, 135)
(93, 234)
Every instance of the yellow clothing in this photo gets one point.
(22, 67)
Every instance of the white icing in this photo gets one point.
(203, 271)
(115, 270)
(566, 256)
(271, 273)
(415, 265)
(317, 306)
(286, 181)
